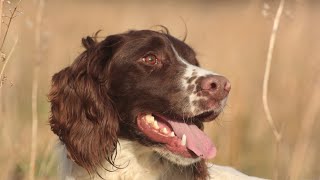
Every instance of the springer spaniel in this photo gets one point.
(133, 106)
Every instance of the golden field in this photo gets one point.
(230, 37)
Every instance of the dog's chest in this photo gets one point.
(135, 162)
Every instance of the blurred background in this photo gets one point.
(231, 37)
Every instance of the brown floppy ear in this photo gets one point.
(82, 114)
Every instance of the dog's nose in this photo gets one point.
(217, 86)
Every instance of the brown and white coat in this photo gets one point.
(133, 106)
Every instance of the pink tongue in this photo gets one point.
(197, 141)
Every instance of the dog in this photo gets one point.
(132, 106)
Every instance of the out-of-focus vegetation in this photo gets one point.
(230, 37)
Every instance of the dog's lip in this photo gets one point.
(205, 116)
(188, 120)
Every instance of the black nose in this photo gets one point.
(217, 86)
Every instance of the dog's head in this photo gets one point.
(144, 86)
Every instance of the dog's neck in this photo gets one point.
(134, 161)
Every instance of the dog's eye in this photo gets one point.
(150, 59)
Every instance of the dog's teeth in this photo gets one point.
(172, 134)
(184, 140)
(155, 125)
(164, 131)
(149, 118)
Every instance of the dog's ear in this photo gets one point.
(82, 113)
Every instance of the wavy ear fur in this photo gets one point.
(82, 114)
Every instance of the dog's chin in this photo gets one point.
(175, 158)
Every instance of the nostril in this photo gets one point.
(209, 83)
(214, 86)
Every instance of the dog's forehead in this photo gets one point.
(150, 40)
(183, 50)
(149, 35)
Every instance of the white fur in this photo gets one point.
(139, 162)
(190, 71)
(179, 160)
(192, 68)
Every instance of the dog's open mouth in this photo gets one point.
(186, 140)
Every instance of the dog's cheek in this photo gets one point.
(122, 81)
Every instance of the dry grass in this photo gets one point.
(231, 37)
(276, 132)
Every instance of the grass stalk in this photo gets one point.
(6, 62)
(34, 95)
(1, 7)
(276, 132)
(9, 23)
